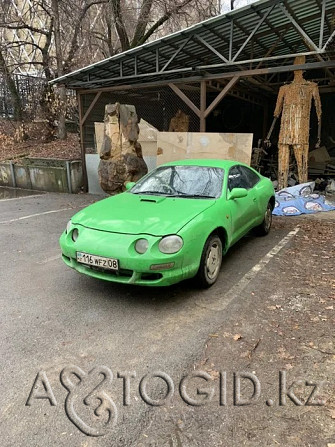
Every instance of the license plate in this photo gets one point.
(97, 261)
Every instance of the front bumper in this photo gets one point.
(134, 268)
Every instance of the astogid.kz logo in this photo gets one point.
(87, 404)
(90, 408)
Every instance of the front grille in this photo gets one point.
(121, 272)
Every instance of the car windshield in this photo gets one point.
(182, 181)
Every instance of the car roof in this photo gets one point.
(210, 162)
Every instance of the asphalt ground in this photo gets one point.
(54, 318)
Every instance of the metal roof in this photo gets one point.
(261, 38)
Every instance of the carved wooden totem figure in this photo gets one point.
(121, 154)
(295, 103)
(180, 122)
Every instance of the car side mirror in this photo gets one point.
(129, 185)
(238, 193)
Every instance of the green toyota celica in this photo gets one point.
(175, 223)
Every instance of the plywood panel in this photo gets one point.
(174, 146)
(99, 136)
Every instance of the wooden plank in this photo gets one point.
(88, 111)
(203, 105)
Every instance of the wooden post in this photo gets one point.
(203, 105)
(83, 158)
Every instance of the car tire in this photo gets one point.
(264, 228)
(210, 263)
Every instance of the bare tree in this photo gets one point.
(53, 31)
(54, 37)
(60, 69)
(8, 77)
(151, 16)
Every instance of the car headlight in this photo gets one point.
(75, 234)
(68, 226)
(141, 246)
(170, 244)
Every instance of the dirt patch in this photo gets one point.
(283, 321)
(35, 145)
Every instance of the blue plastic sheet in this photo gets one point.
(301, 199)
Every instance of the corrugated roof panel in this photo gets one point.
(216, 32)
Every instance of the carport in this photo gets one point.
(243, 56)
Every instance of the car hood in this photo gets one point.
(141, 214)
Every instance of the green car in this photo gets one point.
(175, 223)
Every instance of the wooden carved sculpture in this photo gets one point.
(295, 103)
(180, 122)
(121, 159)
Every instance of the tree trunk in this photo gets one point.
(119, 24)
(61, 134)
(16, 99)
(60, 71)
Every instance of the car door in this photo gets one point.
(252, 179)
(243, 211)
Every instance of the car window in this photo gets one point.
(241, 177)
(250, 176)
(237, 179)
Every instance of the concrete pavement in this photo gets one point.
(52, 317)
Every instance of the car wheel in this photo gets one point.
(264, 228)
(210, 263)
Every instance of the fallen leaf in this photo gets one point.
(214, 374)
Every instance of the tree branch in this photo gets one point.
(161, 21)
(28, 27)
(74, 42)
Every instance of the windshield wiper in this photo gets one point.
(192, 196)
(154, 193)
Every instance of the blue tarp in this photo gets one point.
(300, 199)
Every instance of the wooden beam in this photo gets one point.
(184, 98)
(220, 97)
(83, 158)
(203, 105)
(88, 111)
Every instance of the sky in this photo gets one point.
(225, 4)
